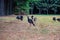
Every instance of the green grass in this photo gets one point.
(41, 19)
(43, 23)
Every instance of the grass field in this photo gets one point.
(45, 29)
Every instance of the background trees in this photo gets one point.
(47, 5)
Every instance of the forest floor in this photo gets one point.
(45, 29)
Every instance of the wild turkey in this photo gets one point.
(58, 19)
(20, 17)
(54, 18)
(30, 21)
(32, 16)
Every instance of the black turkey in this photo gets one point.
(30, 21)
(54, 18)
(20, 17)
(58, 19)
